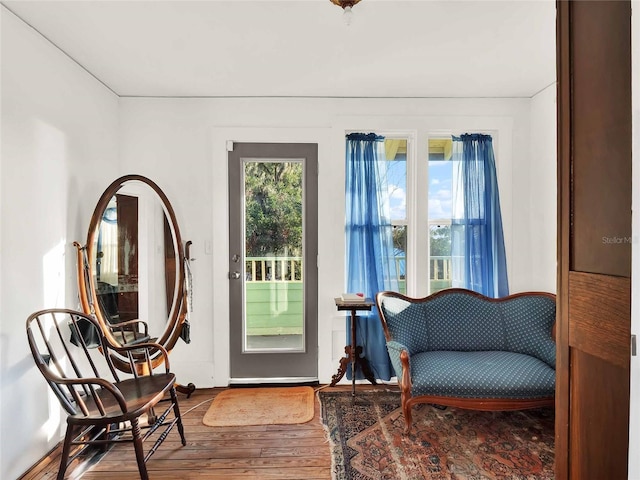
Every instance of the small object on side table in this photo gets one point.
(353, 351)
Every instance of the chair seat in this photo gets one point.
(139, 393)
(490, 374)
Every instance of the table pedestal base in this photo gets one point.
(353, 351)
(356, 360)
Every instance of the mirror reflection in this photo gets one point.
(132, 269)
(134, 260)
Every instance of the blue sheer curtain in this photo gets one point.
(477, 240)
(369, 254)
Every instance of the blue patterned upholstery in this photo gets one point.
(528, 323)
(407, 323)
(463, 323)
(481, 375)
(394, 349)
(464, 345)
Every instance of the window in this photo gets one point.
(440, 213)
(396, 155)
(420, 174)
(422, 215)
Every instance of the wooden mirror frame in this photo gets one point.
(86, 270)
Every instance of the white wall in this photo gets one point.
(180, 144)
(59, 139)
(539, 233)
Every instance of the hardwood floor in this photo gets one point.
(269, 452)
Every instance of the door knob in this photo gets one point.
(234, 275)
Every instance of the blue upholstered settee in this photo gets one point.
(459, 348)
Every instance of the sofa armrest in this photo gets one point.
(396, 347)
(395, 350)
(401, 361)
(529, 325)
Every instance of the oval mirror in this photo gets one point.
(133, 265)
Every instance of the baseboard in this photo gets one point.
(272, 382)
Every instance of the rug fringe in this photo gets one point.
(327, 434)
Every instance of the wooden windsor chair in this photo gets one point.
(102, 407)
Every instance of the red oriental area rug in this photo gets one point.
(367, 441)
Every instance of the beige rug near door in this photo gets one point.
(261, 406)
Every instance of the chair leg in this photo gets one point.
(137, 445)
(105, 437)
(66, 449)
(176, 412)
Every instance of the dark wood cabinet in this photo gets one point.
(594, 244)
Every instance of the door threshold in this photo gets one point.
(273, 382)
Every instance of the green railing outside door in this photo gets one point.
(274, 292)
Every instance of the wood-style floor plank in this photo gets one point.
(257, 452)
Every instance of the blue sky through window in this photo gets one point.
(397, 184)
(440, 188)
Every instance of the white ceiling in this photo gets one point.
(394, 48)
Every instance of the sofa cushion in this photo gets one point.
(487, 374)
(455, 321)
(463, 322)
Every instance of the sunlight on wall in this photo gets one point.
(53, 281)
(52, 428)
(53, 276)
(50, 157)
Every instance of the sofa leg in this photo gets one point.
(405, 390)
(406, 411)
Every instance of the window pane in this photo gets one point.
(399, 252)
(396, 154)
(440, 178)
(274, 278)
(440, 258)
(440, 213)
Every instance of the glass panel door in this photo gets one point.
(273, 284)
(274, 252)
